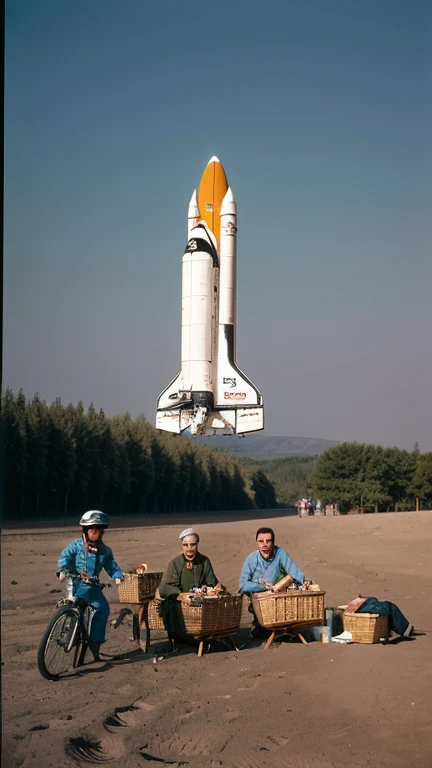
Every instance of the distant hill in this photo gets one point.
(266, 447)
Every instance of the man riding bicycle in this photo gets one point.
(86, 557)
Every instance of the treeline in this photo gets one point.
(60, 460)
(353, 475)
(372, 477)
(289, 478)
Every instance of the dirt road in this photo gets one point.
(289, 707)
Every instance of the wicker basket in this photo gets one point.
(215, 616)
(293, 607)
(155, 618)
(137, 587)
(365, 627)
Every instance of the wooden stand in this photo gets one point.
(290, 629)
(140, 619)
(139, 613)
(201, 640)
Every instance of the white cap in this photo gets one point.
(189, 532)
(193, 210)
(229, 205)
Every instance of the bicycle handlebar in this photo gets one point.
(93, 580)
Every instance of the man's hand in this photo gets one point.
(83, 576)
(119, 579)
(266, 584)
(185, 597)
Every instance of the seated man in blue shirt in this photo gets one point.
(263, 568)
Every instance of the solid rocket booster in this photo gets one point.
(210, 395)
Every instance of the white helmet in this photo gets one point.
(94, 517)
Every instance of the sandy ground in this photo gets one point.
(287, 707)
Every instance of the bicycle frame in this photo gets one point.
(85, 612)
(85, 617)
(68, 631)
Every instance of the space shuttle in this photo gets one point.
(211, 395)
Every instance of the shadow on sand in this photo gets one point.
(46, 527)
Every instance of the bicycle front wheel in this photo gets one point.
(60, 644)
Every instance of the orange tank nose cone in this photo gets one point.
(212, 190)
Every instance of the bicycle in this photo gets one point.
(66, 638)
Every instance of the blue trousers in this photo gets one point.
(95, 597)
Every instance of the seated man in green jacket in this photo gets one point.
(184, 573)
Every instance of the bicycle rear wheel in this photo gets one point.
(60, 644)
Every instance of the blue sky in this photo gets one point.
(320, 112)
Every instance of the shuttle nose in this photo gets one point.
(212, 190)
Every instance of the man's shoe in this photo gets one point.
(409, 630)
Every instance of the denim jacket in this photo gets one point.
(73, 559)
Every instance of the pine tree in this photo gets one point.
(14, 435)
(38, 429)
